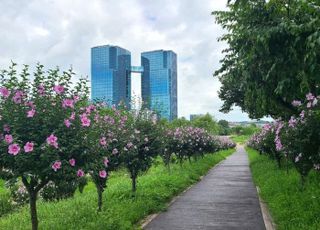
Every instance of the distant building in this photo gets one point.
(159, 82)
(110, 74)
(194, 116)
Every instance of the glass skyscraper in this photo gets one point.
(159, 82)
(110, 74)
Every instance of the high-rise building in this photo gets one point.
(159, 82)
(110, 74)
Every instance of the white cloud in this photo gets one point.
(61, 32)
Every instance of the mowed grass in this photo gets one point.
(240, 139)
(121, 210)
(290, 206)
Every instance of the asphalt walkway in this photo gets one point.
(225, 198)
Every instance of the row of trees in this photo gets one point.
(51, 135)
(296, 140)
(213, 126)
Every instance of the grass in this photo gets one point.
(120, 210)
(290, 207)
(241, 139)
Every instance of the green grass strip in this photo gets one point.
(241, 139)
(290, 207)
(120, 211)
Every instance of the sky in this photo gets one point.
(61, 33)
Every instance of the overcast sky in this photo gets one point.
(61, 33)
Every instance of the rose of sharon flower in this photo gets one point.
(80, 173)
(56, 165)
(17, 98)
(8, 138)
(103, 174)
(296, 103)
(41, 89)
(4, 92)
(59, 89)
(73, 116)
(85, 121)
(106, 162)
(67, 123)
(52, 140)
(72, 162)
(103, 141)
(28, 147)
(310, 96)
(31, 113)
(67, 103)
(14, 149)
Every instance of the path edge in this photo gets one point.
(151, 217)
(267, 218)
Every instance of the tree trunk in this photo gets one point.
(168, 167)
(134, 184)
(303, 182)
(33, 210)
(99, 190)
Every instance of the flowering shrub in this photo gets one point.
(188, 142)
(297, 140)
(225, 142)
(41, 128)
(106, 137)
(142, 145)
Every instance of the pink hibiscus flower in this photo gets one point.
(52, 140)
(85, 121)
(28, 147)
(14, 149)
(4, 92)
(72, 162)
(59, 89)
(103, 174)
(67, 103)
(31, 113)
(8, 138)
(103, 141)
(80, 173)
(106, 162)
(56, 165)
(67, 123)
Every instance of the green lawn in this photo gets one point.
(121, 210)
(240, 139)
(290, 207)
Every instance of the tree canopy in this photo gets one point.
(273, 55)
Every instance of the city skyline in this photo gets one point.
(111, 70)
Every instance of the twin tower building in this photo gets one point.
(111, 78)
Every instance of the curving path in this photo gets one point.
(225, 199)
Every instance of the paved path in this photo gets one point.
(225, 199)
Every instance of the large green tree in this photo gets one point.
(273, 55)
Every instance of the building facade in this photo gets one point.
(159, 82)
(110, 74)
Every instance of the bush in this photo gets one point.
(296, 140)
(43, 128)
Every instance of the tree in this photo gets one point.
(42, 133)
(273, 55)
(206, 122)
(224, 128)
(179, 122)
(142, 146)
